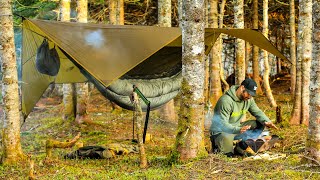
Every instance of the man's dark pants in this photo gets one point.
(224, 141)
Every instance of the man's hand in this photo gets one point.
(244, 128)
(271, 125)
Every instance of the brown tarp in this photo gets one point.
(106, 52)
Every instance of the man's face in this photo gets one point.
(244, 94)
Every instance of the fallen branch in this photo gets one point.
(311, 159)
(51, 143)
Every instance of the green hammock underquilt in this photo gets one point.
(159, 81)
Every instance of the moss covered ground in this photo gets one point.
(109, 126)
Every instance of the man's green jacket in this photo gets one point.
(230, 110)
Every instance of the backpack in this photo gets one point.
(47, 60)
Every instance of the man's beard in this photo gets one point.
(242, 97)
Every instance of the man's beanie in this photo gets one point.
(250, 85)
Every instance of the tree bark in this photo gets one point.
(255, 55)
(138, 119)
(296, 110)
(266, 58)
(215, 90)
(116, 12)
(293, 47)
(69, 94)
(219, 45)
(248, 55)
(167, 112)
(240, 44)
(313, 138)
(82, 88)
(69, 101)
(164, 13)
(306, 23)
(12, 151)
(296, 115)
(190, 137)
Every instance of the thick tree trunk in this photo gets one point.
(306, 22)
(12, 151)
(293, 47)
(255, 53)
(82, 88)
(313, 139)
(266, 58)
(215, 90)
(240, 44)
(190, 136)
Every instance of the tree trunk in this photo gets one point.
(116, 12)
(69, 101)
(12, 151)
(82, 88)
(167, 112)
(164, 13)
(248, 53)
(215, 90)
(255, 55)
(138, 119)
(219, 45)
(116, 17)
(266, 58)
(68, 89)
(279, 44)
(65, 10)
(190, 136)
(313, 139)
(240, 44)
(293, 47)
(296, 110)
(82, 11)
(306, 22)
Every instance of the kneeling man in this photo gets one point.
(227, 122)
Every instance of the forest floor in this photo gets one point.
(109, 126)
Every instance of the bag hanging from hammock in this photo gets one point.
(47, 60)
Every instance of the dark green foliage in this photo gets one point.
(34, 8)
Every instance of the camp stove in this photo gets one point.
(261, 144)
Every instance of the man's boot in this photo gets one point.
(243, 149)
(214, 147)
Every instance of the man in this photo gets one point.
(228, 122)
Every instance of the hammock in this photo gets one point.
(114, 58)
